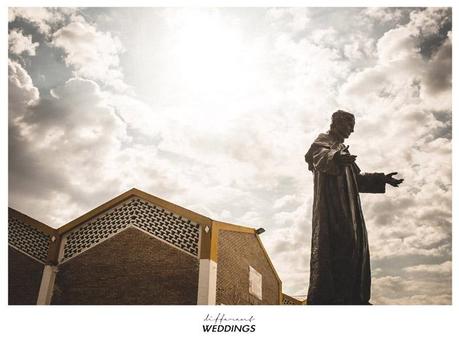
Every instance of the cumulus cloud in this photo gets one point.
(399, 97)
(67, 141)
(415, 286)
(43, 18)
(92, 54)
(397, 94)
(407, 117)
(383, 15)
(21, 91)
(18, 43)
(88, 52)
(226, 114)
(430, 20)
(437, 77)
(78, 144)
(402, 74)
(444, 268)
(295, 19)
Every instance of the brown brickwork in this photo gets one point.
(288, 300)
(131, 267)
(236, 252)
(24, 278)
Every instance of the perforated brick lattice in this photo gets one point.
(287, 301)
(175, 229)
(168, 226)
(27, 239)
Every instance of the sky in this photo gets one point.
(214, 108)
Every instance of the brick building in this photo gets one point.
(289, 300)
(138, 249)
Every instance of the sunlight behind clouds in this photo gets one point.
(209, 64)
(214, 108)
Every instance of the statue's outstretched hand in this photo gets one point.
(344, 157)
(393, 181)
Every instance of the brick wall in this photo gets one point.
(236, 252)
(288, 300)
(24, 278)
(131, 267)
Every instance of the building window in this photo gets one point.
(255, 283)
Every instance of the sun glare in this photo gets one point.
(201, 68)
(210, 55)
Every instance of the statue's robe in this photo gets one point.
(340, 258)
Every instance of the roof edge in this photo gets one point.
(198, 218)
(269, 259)
(241, 229)
(40, 226)
(233, 227)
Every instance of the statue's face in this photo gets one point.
(345, 128)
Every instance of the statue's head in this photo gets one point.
(342, 124)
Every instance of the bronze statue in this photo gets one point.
(340, 259)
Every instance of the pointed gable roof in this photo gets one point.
(198, 218)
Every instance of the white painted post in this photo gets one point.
(47, 285)
(207, 286)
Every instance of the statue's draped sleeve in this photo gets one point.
(321, 156)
